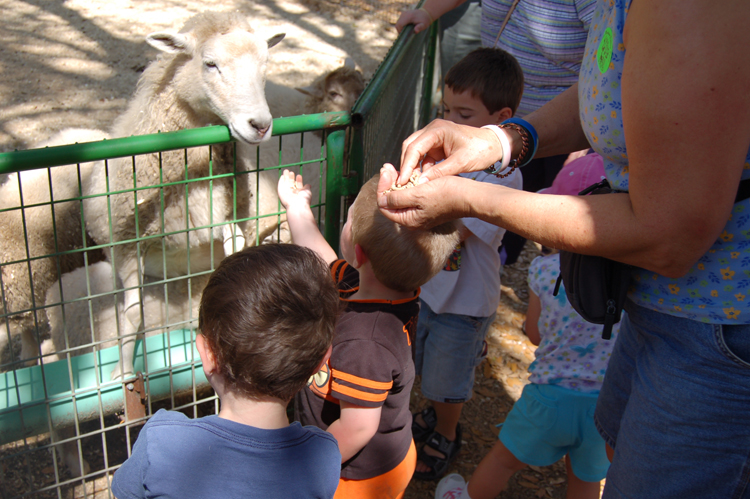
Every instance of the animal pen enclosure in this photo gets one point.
(66, 425)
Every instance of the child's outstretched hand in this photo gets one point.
(296, 198)
(292, 192)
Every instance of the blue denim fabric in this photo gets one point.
(675, 406)
(447, 350)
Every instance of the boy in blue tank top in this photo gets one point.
(266, 321)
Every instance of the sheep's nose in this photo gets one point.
(262, 128)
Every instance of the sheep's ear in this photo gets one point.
(172, 43)
(349, 63)
(275, 39)
(311, 91)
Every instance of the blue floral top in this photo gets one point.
(716, 289)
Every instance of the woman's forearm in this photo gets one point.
(665, 227)
(604, 225)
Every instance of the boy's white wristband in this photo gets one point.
(504, 143)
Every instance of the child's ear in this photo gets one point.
(207, 356)
(502, 115)
(359, 256)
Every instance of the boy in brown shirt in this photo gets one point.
(361, 395)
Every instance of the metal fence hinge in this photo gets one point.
(134, 392)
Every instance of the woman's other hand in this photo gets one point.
(444, 148)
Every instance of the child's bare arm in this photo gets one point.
(295, 198)
(354, 428)
(532, 318)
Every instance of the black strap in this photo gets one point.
(743, 192)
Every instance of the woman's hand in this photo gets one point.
(457, 149)
(424, 206)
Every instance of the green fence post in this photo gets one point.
(334, 186)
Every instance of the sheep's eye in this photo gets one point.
(334, 95)
(210, 64)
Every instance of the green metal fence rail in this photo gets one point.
(145, 144)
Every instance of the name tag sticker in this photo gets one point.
(604, 53)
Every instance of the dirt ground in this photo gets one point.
(75, 63)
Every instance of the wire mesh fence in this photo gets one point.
(109, 244)
(397, 101)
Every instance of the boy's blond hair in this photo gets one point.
(402, 259)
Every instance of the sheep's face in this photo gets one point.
(342, 88)
(223, 80)
(336, 91)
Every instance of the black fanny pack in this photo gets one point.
(597, 287)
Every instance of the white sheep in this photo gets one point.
(84, 307)
(211, 72)
(187, 50)
(29, 225)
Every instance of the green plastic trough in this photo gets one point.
(29, 397)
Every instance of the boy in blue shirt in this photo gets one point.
(266, 320)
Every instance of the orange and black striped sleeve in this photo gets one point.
(362, 373)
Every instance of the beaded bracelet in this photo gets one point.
(528, 134)
(525, 139)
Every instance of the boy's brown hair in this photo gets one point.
(492, 75)
(402, 259)
(268, 314)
